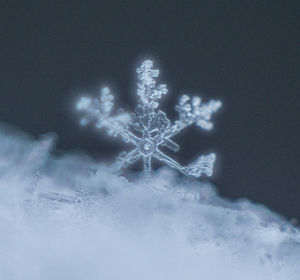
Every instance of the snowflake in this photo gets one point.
(148, 128)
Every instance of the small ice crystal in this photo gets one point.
(149, 128)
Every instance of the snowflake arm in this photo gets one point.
(204, 164)
(125, 159)
(170, 145)
(148, 92)
(147, 168)
(98, 110)
(170, 162)
(192, 110)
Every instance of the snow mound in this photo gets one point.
(67, 217)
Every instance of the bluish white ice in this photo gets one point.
(149, 129)
(59, 219)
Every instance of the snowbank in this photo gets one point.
(62, 219)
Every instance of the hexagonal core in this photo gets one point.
(146, 147)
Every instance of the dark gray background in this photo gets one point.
(245, 53)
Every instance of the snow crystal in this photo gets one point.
(153, 127)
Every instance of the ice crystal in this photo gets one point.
(148, 128)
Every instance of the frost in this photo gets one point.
(148, 128)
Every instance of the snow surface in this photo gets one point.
(60, 219)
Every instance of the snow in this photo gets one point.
(59, 219)
(149, 128)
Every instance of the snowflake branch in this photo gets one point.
(204, 164)
(192, 111)
(125, 159)
(99, 110)
(170, 162)
(147, 168)
(148, 92)
(115, 129)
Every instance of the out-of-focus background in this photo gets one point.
(245, 53)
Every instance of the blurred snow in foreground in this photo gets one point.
(59, 219)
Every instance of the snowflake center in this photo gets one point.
(146, 147)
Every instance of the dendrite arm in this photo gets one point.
(204, 164)
(114, 128)
(99, 110)
(147, 168)
(192, 110)
(174, 129)
(170, 162)
(125, 159)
